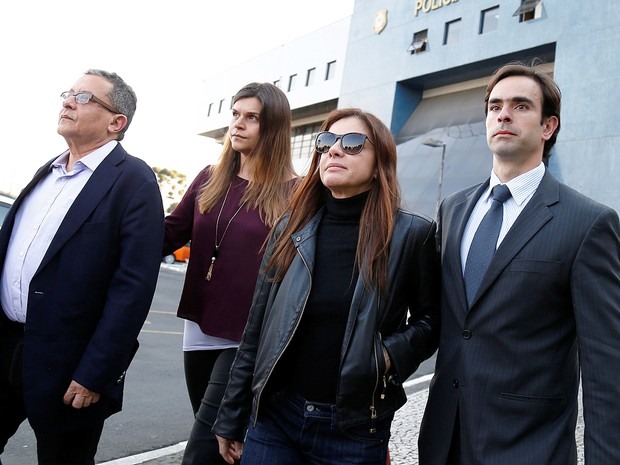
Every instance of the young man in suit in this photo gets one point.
(516, 335)
(79, 256)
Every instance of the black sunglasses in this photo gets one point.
(352, 143)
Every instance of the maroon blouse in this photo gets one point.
(220, 306)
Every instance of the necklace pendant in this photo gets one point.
(210, 271)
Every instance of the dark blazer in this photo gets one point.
(92, 292)
(548, 306)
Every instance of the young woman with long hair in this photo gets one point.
(227, 213)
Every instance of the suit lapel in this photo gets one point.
(533, 217)
(456, 220)
(100, 182)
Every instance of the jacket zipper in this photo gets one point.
(290, 339)
(373, 408)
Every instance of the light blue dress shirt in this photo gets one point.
(521, 188)
(36, 223)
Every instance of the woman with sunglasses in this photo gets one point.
(227, 213)
(318, 374)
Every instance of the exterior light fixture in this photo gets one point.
(432, 142)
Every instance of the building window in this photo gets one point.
(210, 109)
(310, 76)
(331, 70)
(277, 83)
(529, 9)
(221, 106)
(452, 33)
(302, 142)
(489, 19)
(292, 79)
(419, 43)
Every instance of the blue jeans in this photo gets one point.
(293, 431)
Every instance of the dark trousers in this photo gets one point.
(12, 411)
(69, 448)
(77, 447)
(206, 375)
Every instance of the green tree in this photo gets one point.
(172, 185)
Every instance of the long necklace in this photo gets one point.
(216, 249)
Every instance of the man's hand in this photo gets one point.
(78, 396)
(230, 450)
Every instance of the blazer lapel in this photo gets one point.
(533, 217)
(100, 182)
(456, 220)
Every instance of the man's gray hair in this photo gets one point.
(122, 96)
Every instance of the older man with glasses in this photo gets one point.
(79, 258)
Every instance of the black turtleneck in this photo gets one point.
(310, 365)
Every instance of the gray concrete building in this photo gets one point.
(422, 67)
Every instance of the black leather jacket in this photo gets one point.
(365, 392)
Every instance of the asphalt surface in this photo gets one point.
(403, 443)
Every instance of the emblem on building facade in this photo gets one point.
(380, 21)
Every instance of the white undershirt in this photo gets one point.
(195, 339)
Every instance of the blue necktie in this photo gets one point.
(485, 240)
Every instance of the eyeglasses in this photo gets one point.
(352, 143)
(84, 97)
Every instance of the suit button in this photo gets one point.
(467, 334)
(455, 383)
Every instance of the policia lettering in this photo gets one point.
(429, 5)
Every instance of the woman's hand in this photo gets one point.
(230, 450)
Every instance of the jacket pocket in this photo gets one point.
(542, 400)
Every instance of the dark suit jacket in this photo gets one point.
(548, 305)
(91, 294)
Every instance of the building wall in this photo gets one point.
(579, 37)
(376, 71)
(588, 72)
(314, 50)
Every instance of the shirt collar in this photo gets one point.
(90, 161)
(523, 186)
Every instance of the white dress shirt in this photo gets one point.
(36, 224)
(521, 188)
